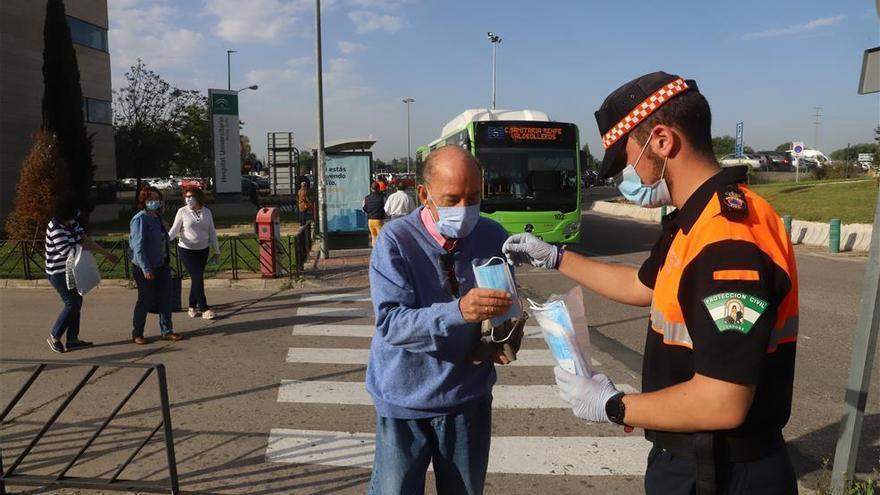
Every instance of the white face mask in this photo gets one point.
(190, 201)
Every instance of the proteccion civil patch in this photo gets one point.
(735, 310)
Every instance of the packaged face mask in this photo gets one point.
(495, 274)
(560, 334)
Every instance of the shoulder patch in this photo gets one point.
(733, 203)
(735, 311)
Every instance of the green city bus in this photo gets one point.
(531, 169)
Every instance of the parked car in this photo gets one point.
(191, 182)
(750, 160)
(589, 179)
(778, 162)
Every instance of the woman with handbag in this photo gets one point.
(194, 225)
(63, 235)
(148, 245)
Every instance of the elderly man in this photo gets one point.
(432, 400)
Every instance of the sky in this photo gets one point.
(767, 64)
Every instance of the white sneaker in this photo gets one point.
(209, 314)
(193, 312)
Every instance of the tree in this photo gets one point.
(588, 161)
(851, 153)
(723, 145)
(193, 152)
(62, 103)
(148, 117)
(44, 176)
(748, 149)
(782, 148)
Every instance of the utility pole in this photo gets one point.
(319, 159)
(229, 69)
(408, 100)
(816, 133)
(495, 40)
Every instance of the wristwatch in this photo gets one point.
(615, 409)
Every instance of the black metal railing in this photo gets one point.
(61, 479)
(239, 255)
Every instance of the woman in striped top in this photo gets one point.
(63, 234)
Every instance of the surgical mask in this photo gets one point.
(647, 196)
(456, 222)
(559, 333)
(190, 201)
(154, 204)
(495, 274)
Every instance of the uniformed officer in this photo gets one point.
(722, 285)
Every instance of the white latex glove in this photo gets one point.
(527, 248)
(587, 396)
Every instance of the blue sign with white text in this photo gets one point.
(739, 139)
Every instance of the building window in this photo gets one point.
(88, 34)
(97, 111)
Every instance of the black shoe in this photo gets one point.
(76, 343)
(55, 344)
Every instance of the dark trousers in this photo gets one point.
(303, 216)
(195, 261)
(154, 293)
(669, 474)
(68, 319)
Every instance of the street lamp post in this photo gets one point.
(254, 88)
(322, 187)
(408, 100)
(495, 40)
(228, 69)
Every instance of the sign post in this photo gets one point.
(223, 105)
(798, 148)
(739, 140)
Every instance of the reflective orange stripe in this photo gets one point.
(736, 275)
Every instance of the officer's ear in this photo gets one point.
(666, 141)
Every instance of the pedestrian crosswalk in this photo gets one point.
(332, 331)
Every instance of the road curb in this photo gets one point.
(211, 283)
(853, 237)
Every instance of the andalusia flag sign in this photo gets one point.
(735, 310)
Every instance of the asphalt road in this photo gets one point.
(269, 398)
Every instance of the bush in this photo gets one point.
(43, 178)
(836, 171)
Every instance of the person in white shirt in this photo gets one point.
(399, 204)
(194, 225)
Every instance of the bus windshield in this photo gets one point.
(528, 179)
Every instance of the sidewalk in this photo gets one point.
(344, 267)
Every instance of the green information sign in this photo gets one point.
(224, 104)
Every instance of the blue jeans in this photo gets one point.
(457, 445)
(68, 319)
(152, 294)
(195, 260)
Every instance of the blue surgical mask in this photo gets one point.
(154, 204)
(495, 274)
(456, 222)
(647, 196)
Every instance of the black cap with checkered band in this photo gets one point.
(628, 106)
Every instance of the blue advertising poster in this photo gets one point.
(347, 176)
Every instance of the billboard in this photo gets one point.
(223, 106)
(347, 179)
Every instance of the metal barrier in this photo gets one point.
(115, 483)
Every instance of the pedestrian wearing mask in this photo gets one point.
(148, 243)
(194, 226)
(374, 205)
(722, 285)
(63, 235)
(433, 401)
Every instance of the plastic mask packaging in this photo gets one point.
(560, 335)
(495, 274)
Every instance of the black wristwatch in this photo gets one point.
(615, 409)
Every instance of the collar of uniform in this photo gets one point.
(687, 216)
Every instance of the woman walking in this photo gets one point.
(304, 203)
(148, 243)
(194, 225)
(63, 235)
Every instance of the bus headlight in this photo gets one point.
(571, 229)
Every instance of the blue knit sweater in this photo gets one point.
(419, 364)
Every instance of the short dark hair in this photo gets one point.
(689, 113)
(64, 208)
(144, 196)
(375, 187)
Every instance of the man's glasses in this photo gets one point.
(447, 262)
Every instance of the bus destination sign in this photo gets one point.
(527, 133)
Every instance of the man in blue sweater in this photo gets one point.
(433, 401)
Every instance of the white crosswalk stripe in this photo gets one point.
(523, 455)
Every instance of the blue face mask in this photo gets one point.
(650, 196)
(456, 222)
(495, 274)
(153, 204)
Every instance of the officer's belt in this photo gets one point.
(727, 448)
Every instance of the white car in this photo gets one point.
(735, 161)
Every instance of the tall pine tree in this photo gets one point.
(62, 103)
